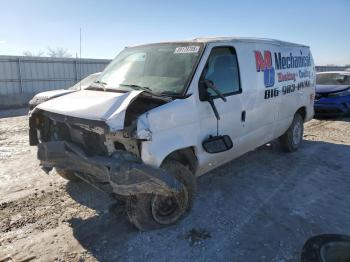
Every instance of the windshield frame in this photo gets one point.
(182, 93)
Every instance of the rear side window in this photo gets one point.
(222, 70)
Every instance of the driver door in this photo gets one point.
(222, 71)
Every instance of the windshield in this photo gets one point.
(159, 68)
(86, 82)
(333, 79)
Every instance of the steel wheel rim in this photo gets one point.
(168, 209)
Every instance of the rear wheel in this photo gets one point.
(292, 138)
(150, 211)
(67, 174)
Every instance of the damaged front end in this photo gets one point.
(98, 152)
(123, 173)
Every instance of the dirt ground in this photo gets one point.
(260, 207)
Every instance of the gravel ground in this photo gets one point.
(260, 207)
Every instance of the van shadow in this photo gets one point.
(233, 185)
(105, 232)
(265, 187)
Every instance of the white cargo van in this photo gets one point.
(161, 114)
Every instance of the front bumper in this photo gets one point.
(123, 173)
(332, 106)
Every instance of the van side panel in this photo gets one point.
(277, 80)
(285, 81)
(258, 115)
(294, 79)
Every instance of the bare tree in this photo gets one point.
(29, 53)
(58, 52)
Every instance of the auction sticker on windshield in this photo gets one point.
(186, 49)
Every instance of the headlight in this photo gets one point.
(341, 93)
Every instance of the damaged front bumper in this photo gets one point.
(122, 174)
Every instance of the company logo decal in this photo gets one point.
(264, 63)
(287, 76)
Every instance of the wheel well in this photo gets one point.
(302, 112)
(185, 156)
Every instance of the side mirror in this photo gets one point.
(217, 144)
(202, 90)
(205, 96)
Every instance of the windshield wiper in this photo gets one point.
(92, 87)
(103, 84)
(173, 94)
(100, 82)
(144, 88)
(97, 85)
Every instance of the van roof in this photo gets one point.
(235, 39)
(245, 39)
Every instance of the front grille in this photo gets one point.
(91, 142)
(94, 143)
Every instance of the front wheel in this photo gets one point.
(150, 211)
(292, 138)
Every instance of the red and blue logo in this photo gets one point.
(264, 63)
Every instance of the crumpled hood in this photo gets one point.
(47, 95)
(109, 107)
(330, 88)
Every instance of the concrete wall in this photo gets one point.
(22, 77)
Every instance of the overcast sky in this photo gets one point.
(109, 26)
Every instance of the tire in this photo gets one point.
(293, 137)
(145, 210)
(326, 247)
(66, 174)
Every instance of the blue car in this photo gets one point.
(332, 94)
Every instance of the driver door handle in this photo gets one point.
(243, 116)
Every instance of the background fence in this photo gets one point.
(330, 68)
(22, 77)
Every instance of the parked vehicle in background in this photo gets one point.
(47, 95)
(332, 94)
(161, 114)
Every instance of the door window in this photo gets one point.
(222, 70)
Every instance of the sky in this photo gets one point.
(108, 26)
